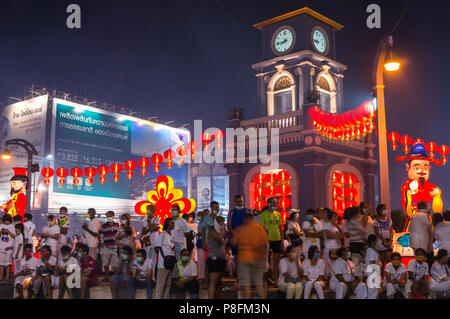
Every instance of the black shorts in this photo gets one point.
(217, 265)
(275, 246)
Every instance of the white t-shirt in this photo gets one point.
(144, 269)
(442, 235)
(395, 273)
(29, 228)
(371, 256)
(30, 264)
(166, 242)
(94, 226)
(344, 268)
(52, 230)
(70, 261)
(419, 231)
(287, 266)
(181, 227)
(438, 272)
(62, 240)
(369, 229)
(313, 272)
(181, 272)
(419, 270)
(331, 243)
(17, 241)
(317, 227)
(5, 239)
(44, 270)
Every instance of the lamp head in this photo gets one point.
(6, 155)
(392, 64)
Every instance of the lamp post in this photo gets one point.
(380, 65)
(31, 150)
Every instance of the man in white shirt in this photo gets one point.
(142, 270)
(421, 231)
(51, 235)
(180, 232)
(313, 229)
(23, 278)
(45, 267)
(91, 232)
(63, 270)
(185, 275)
(440, 275)
(30, 229)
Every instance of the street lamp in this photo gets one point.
(31, 168)
(383, 62)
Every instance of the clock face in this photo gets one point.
(283, 40)
(320, 41)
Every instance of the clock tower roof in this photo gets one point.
(304, 10)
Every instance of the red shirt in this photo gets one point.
(88, 263)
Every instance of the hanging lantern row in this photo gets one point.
(408, 142)
(354, 124)
(344, 193)
(272, 178)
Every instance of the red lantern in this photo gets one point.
(102, 170)
(271, 178)
(194, 146)
(206, 139)
(284, 189)
(418, 141)
(47, 172)
(270, 191)
(169, 155)
(444, 150)
(260, 192)
(90, 172)
(394, 138)
(144, 162)
(260, 204)
(405, 140)
(218, 135)
(431, 148)
(182, 152)
(259, 179)
(130, 166)
(285, 202)
(62, 173)
(284, 176)
(75, 173)
(157, 159)
(116, 168)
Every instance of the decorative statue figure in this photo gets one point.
(418, 188)
(18, 202)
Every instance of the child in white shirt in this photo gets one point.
(19, 244)
(372, 258)
(7, 235)
(25, 273)
(29, 229)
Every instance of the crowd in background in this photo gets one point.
(315, 253)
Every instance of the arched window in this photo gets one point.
(283, 95)
(325, 95)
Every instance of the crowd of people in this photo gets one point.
(313, 253)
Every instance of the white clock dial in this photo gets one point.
(320, 41)
(283, 40)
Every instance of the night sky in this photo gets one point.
(185, 60)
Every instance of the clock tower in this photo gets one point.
(299, 57)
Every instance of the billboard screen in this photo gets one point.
(83, 136)
(23, 120)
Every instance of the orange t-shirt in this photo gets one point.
(252, 242)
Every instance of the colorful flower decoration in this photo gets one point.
(163, 198)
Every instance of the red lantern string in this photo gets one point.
(284, 176)
(406, 140)
(144, 162)
(116, 168)
(206, 139)
(182, 152)
(259, 179)
(75, 173)
(62, 173)
(444, 150)
(47, 172)
(285, 202)
(156, 159)
(394, 137)
(90, 172)
(102, 170)
(431, 148)
(169, 155)
(130, 166)
(218, 136)
(194, 146)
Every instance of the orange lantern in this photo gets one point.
(157, 159)
(90, 172)
(75, 173)
(47, 172)
(102, 170)
(62, 173)
(144, 162)
(169, 155)
(394, 138)
(431, 148)
(444, 150)
(130, 166)
(194, 146)
(182, 152)
(116, 168)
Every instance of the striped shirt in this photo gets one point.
(108, 234)
(356, 230)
